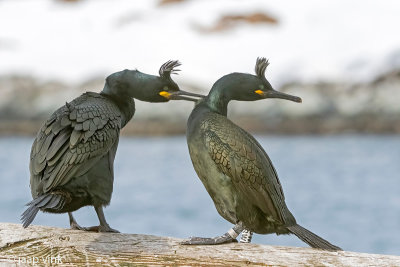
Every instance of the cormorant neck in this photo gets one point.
(220, 94)
(125, 103)
(217, 101)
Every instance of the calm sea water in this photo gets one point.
(344, 188)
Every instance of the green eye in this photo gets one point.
(261, 86)
(165, 88)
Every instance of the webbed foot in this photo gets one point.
(100, 229)
(75, 226)
(226, 238)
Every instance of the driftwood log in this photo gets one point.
(39, 245)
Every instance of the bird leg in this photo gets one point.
(246, 236)
(74, 225)
(103, 227)
(228, 237)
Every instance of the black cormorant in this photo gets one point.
(72, 157)
(235, 169)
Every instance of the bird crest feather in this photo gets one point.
(261, 65)
(169, 67)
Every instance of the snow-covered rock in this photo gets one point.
(311, 40)
(341, 57)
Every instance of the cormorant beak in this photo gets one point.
(180, 95)
(275, 94)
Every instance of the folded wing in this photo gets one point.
(72, 140)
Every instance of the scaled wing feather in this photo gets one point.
(72, 141)
(239, 156)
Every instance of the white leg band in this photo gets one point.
(233, 233)
(246, 236)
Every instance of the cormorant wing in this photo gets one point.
(72, 140)
(239, 156)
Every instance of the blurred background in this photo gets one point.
(337, 153)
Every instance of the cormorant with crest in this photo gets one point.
(235, 169)
(72, 157)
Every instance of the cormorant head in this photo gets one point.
(265, 89)
(248, 87)
(145, 87)
(169, 90)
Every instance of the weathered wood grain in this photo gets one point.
(63, 247)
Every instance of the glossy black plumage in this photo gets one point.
(72, 157)
(235, 169)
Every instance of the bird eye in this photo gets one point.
(261, 86)
(165, 88)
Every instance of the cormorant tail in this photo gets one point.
(311, 239)
(46, 201)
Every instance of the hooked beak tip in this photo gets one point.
(281, 95)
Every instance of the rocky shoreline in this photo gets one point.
(327, 108)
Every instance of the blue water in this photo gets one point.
(344, 188)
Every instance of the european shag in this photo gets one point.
(72, 157)
(235, 169)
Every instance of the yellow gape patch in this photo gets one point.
(260, 92)
(165, 94)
